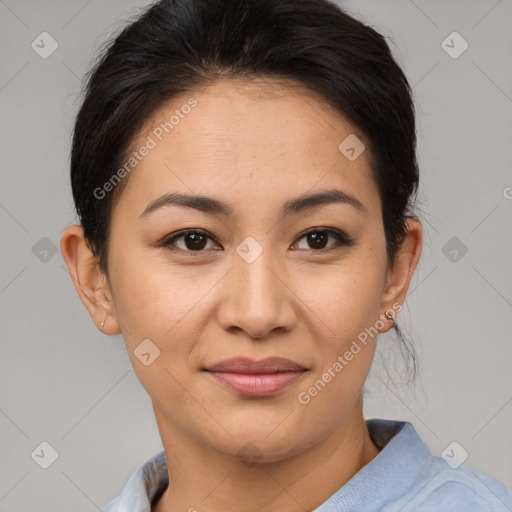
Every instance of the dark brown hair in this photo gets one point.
(178, 46)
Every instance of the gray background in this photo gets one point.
(64, 382)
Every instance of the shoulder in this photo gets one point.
(406, 477)
(432, 484)
(145, 485)
(442, 488)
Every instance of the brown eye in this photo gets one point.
(192, 241)
(317, 239)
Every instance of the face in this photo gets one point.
(264, 274)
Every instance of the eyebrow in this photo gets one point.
(213, 206)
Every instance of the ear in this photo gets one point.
(399, 276)
(90, 283)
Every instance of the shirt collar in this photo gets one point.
(390, 474)
(403, 453)
(144, 486)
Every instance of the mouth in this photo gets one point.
(256, 378)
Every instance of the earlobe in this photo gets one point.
(88, 279)
(399, 276)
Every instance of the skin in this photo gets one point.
(255, 146)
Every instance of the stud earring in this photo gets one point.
(390, 316)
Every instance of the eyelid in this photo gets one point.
(342, 238)
(167, 242)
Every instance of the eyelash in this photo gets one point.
(341, 238)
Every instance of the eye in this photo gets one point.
(318, 237)
(193, 241)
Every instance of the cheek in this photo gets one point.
(346, 299)
(161, 302)
(348, 308)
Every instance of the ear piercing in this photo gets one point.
(390, 316)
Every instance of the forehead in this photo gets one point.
(260, 139)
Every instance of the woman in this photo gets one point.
(244, 174)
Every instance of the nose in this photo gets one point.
(258, 299)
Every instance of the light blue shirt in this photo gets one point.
(403, 477)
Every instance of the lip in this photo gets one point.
(252, 378)
(246, 365)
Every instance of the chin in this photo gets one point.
(261, 442)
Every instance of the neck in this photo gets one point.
(301, 482)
